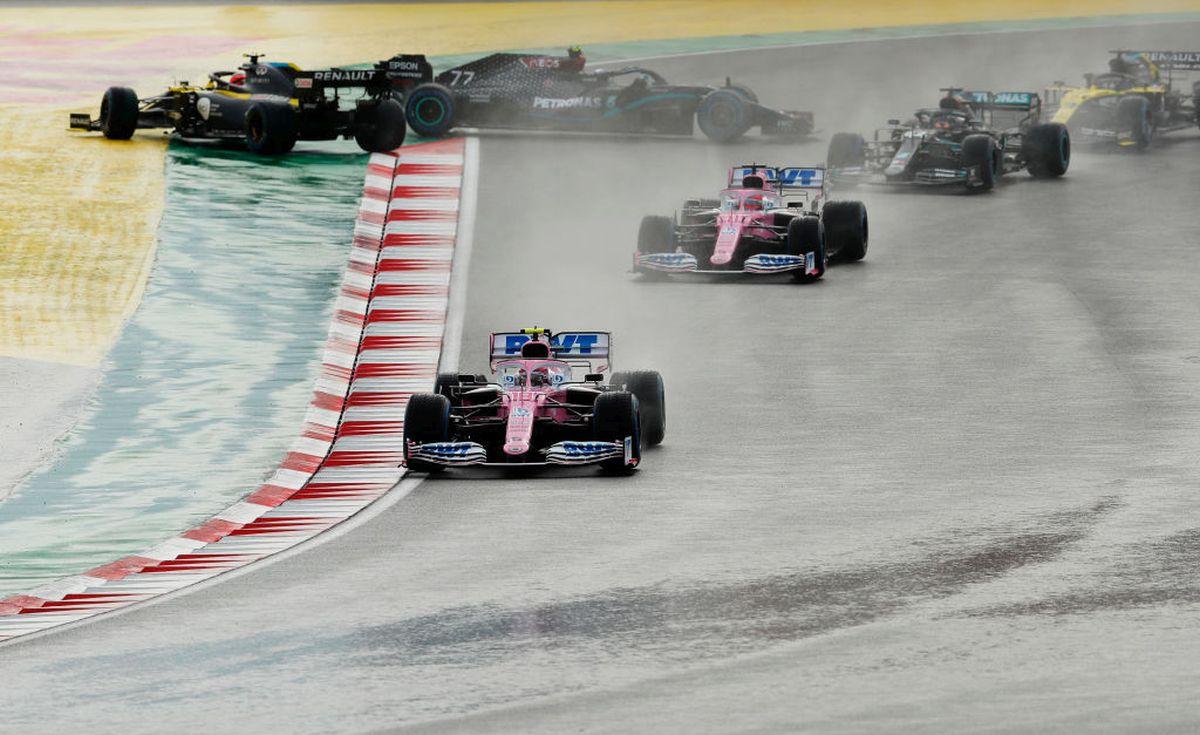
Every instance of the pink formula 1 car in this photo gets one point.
(536, 414)
(767, 220)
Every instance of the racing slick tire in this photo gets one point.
(380, 128)
(1196, 100)
(615, 417)
(805, 235)
(426, 420)
(656, 234)
(744, 91)
(271, 128)
(724, 115)
(1134, 117)
(430, 110)
(1047, 150)
(647, 385)
(847, 231)
(980, 150)
(846, 150)
(119, 113)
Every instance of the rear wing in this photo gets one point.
(591, 349)
(783, 179)
(1169, 60)
(981, 100)
(399, 72)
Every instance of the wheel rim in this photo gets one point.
(427, 105)
(722, 115)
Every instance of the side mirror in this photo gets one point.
(893, 122)
(594, 378)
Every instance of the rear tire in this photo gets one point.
(724, 115)
(119, 113)
(1133, 116)
(271, 128)
(847, 231)
(980, 150)
(1047, 150)
(846, 150)
(648, 386)
(426, 420)
(380, 128)
(805, 235)
(430, 110)
(615, 418)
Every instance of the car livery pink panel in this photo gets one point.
(384, 344)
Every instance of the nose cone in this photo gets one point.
(520, 425)
(727, 241)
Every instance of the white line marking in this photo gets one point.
(456, 310)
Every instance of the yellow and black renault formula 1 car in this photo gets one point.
(1133, 101)
(270, 106)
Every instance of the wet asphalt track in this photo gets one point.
(950, 488)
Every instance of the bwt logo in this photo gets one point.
(793, 176)
(578, 344)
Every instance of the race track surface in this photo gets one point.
(949, 488)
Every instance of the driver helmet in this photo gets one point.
(238, 79)
(575, 58)
(753, 203)
(539, 376)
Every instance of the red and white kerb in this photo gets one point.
(384, 343)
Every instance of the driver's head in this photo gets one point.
(575, 58)
(753, 203)
(539, 377)
(238, 79)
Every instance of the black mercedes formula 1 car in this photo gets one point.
(969, 140)
(528, 91)
(270, 106)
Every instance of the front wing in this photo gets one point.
(459, 454)
(756, 264)
(924, 177)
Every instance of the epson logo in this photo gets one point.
(404, 65)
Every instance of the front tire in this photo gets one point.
(805, 235)
(430, 110)
(656, 234)
(119, 113)
(1047, 150)
(648, 386)
(380, 128)
(724, 115)
(846, 150)
(426, 421)
(980, 151)
(615, 419)
(847, 231)
(271, 128)
(1133, 116)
